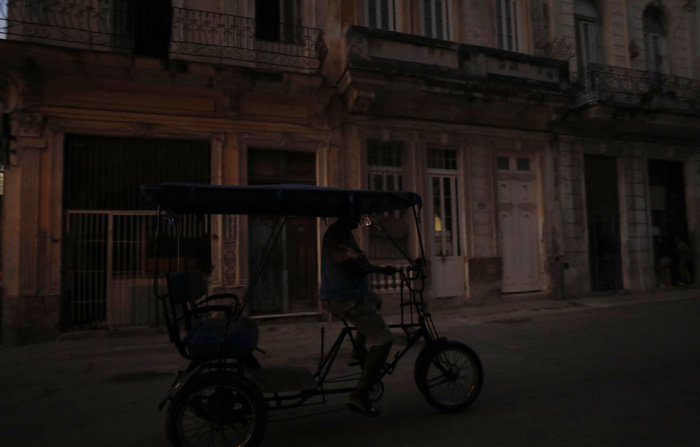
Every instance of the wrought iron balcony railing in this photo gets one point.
(226, 37)
(82, 23)
(635, 88)
(147, 28)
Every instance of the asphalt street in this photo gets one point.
(618, 370)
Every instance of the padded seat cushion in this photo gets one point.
(241, 337)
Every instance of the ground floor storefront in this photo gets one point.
(508, 215)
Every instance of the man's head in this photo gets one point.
(350, 214)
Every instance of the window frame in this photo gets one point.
(444, 7)
(392, 14)
(514, 42)
(655, 42)
(587, 42)
(391, 164)
(588, 26)
(395, 171)
(449, 243)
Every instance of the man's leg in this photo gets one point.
(366, 318)
(360, 352)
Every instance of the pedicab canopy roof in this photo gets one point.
(273, 200)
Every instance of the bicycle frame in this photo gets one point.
(416, 323)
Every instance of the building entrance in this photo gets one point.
(668, 219)
(290, 280)
(108, 257)
(602, 208)
(519, 227)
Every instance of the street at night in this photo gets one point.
(596, 371)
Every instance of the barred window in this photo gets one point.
(436, 19)
(508, 18)
(384, 166)
(445, 159)
(384, 172)
(381, 14)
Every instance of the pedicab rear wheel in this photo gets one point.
(216, 409)
(449, 375)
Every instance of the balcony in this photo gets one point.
(634, 89)
(396, 74)
(145, 28)
(423, 56)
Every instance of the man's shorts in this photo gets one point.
(363, 314)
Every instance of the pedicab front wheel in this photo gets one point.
(218, 408)
(449, 375)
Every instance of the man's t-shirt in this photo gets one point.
(344, 281)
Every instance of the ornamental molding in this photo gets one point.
(29, 125)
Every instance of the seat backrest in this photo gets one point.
(185, 287)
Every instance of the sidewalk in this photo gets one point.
(149, 350)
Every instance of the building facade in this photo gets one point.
(555, 144)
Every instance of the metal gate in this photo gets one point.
(110, 263)
(106, 273)
(109, 258)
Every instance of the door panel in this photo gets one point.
(519, 228)
(448, 267)
(289, 281)
(529, 277)
(302, 255)
(507, 250)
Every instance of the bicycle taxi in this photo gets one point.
(223, 395)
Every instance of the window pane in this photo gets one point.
(499, 23)
(449, 230)
(523, 164)
(509, 24)
(385, 15)
(503, 163)
(437, 211)
(585, 8)
(442, 159)
(372, 13)
(378, 182)
(438, 19)
(456, 213)
(384, 154)
(428, 17)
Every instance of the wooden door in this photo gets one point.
(290, 279)
(519, 227)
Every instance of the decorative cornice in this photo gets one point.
(29, 124)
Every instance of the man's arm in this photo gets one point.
(336, 239)
(342, 253)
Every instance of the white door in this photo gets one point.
(518, 226)
(447, 264)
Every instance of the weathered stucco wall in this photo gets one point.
(574, 229)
